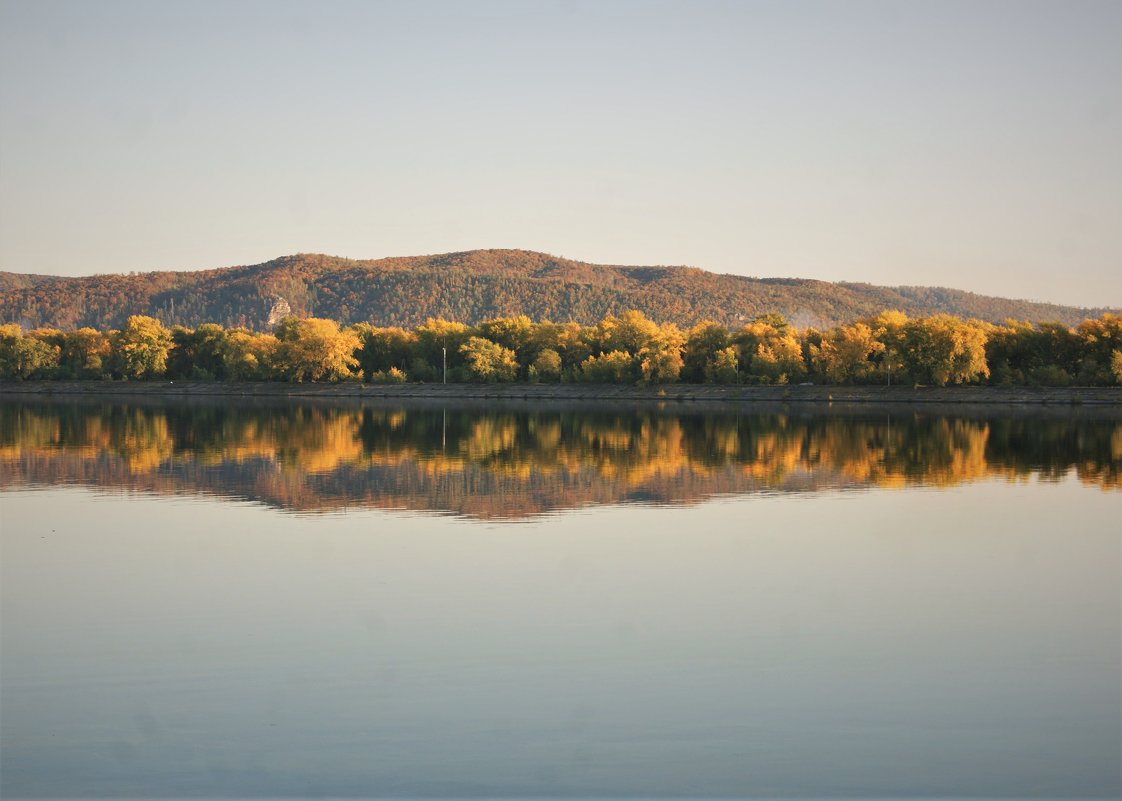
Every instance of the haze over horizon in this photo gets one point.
(971, 145)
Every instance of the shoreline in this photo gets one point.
(686, 393)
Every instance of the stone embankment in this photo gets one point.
(1022, 396)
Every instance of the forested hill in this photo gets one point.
(473, 286)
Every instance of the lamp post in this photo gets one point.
(445, 356)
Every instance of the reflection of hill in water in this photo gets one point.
(516, 463)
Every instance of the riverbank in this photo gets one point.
(1019, 396)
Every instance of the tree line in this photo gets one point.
(889, 348)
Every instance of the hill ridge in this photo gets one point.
(473, 285)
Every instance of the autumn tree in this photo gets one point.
(314, 349)
(24, 356)
(1009, 352)
(844, 355)
(434, 338)
(942, 350)
(49, 352)
(197, 353)
(140, 348)
(703, 342)
(660, 359)
(614, 367)
(489, 361)
(573, 346)
(248, 356)
(546, 335)
(85, 353)
(1100, 339)
(890, 330)
(547, 365)
(384, 349)
(513, 333)
(772, 350)
(723, 367)
(630, 332)
(938, 350)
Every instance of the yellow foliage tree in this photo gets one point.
(942, 350)
(844, 355)
(316, 350)
(660, 360)
(140, 349)
(489, 361)
(248, 356)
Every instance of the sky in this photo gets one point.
(976, 144)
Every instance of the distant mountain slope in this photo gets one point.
(474, 286)
(22, 280)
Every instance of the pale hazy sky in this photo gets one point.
(968, 144)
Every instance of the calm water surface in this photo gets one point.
(290, 601)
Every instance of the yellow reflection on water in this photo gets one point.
(528, 461)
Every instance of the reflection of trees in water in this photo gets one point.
(1050, 448)
(521, 462)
